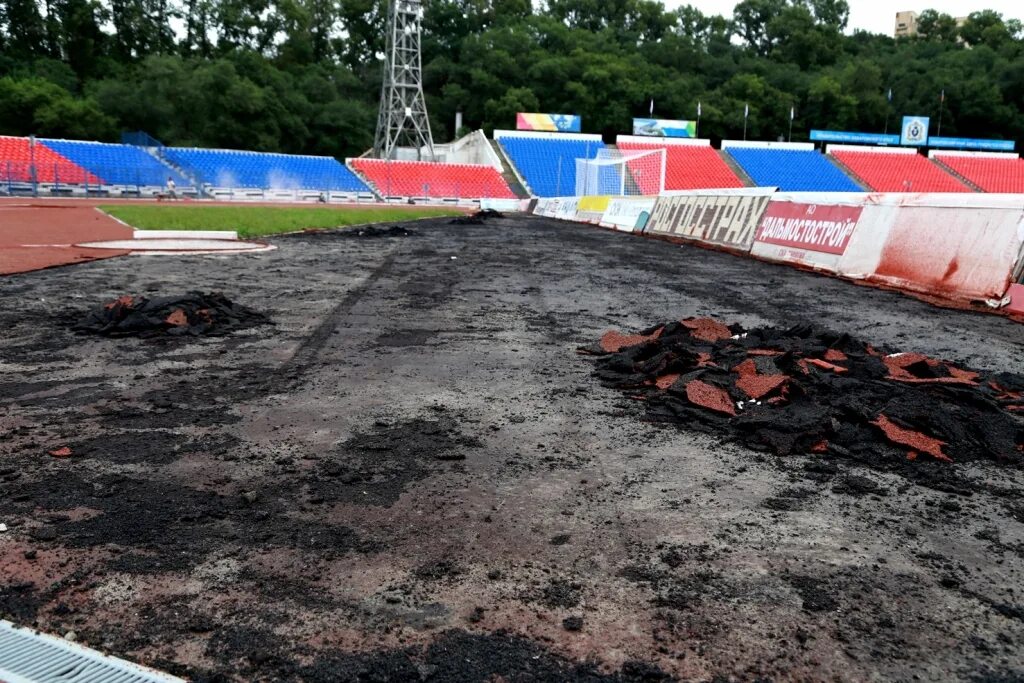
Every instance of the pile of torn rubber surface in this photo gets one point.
(192, 314)
(809, 390)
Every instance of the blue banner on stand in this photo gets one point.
(972, 143)
(857, 138)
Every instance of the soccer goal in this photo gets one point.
(621, 172)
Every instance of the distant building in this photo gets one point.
(906, 24)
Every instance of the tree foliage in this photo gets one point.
(304, 75)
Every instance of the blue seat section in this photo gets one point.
(231, 168)
(548, 164)
(792, 170)
(116, 164)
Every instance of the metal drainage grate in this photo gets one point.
(27, 656)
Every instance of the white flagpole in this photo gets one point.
(746, 115)
(697, 130)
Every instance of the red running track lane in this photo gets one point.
(36, 235)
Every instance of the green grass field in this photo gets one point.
(257, 221)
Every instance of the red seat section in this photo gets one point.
(18, 157)
(428, 179)
(893, 172)
(1003, 173)
(687, 167)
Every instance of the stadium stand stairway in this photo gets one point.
(850, 174)
(736, 168)
(956, 174)
(509, 173)
(190, 179)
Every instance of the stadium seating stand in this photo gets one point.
(23, 162)
(688, 166)
(430, 179)
(790, 168)
(547, 161)
(990, 171)
(261, 170)
(896, 170)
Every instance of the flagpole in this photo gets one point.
(746, 115)
(792, 114)
(888, 110)
(697, 129)
(942, 100)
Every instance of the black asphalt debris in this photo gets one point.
(191, 314)
(804, 389)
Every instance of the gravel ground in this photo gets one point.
(412, 475)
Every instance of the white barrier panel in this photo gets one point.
(964, 247)
(567, 208)
(725, 218)
(499, 204)
(628, 214)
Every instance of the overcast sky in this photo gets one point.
(877, 16)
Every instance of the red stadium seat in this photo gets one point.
(428, 179)
(18, 158)
(687, 167)
(990, 173)
(891, 172)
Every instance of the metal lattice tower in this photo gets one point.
(402, 121)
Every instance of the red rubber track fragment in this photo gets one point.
(908, 437)
(706, 329)
(758, 386)
(709, 396)
(614, 341)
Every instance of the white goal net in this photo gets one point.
(621, 172)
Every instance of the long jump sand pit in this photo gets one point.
(412, 474)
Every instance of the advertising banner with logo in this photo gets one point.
(825, 229)
(665, 128)
(726, 218)
(809, 229)
(555, 123)
(590, 209)
(914, 132)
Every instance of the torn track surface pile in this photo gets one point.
(810, 390)
(192, 314)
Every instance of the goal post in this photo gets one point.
(621, 172)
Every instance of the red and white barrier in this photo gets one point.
(964, 247)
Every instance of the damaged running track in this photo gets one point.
(412, 475)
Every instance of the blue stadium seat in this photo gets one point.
(792, 170)
(548, 163)
(116, 164)
(237, 169)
